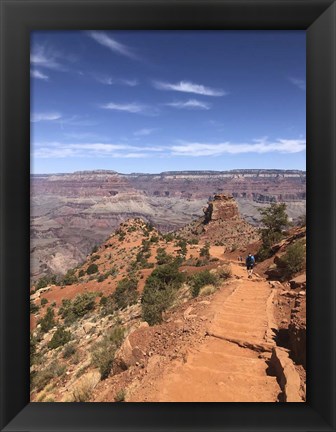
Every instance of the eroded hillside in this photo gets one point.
(162, 317)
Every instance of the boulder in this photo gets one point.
(88, 327)
(298, 282)
(127, 355)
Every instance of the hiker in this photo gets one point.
(250, 262)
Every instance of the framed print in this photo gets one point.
(155, 159)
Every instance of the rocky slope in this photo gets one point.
(232, 339)
(70, 213)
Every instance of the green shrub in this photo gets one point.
(69, 350)
(294, 259)
(182, 244)
(193, 241)
(70, 311)
(45, 281)
(66, 312)
(48, 321)
(145, 245)
(154, 239)
(102, 277)
(126, 293)
(95, 258)
(162, 257)
(120, 396)
(148, 265)
(33, 343)
(108, 305)
(103, 301)
(205, 251)
(34, 308)
(168, 237)
(60, 338)
(44, 301)
(159, 292)
(70, 278)
(302, 221)
(149, 227)
(83, 303)
(41, 378)
(81, 273)
(93, 268)
(199, 280)
(103, 352)
(121, 237)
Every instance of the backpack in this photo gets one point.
(250, 260)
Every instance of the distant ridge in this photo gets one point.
(183, 172)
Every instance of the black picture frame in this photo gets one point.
(18, 18)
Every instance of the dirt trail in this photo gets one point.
(230, 365)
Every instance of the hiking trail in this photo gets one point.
(231, 363)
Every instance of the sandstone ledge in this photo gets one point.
(287, 375)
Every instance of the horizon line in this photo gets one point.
(292, 170)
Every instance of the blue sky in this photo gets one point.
(152, 101)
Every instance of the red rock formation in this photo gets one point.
(222, 225)
(222, 207)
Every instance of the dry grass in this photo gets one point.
(84, 387)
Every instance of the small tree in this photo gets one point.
(274, 220)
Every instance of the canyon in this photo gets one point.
(71, 213)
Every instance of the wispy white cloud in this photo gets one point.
(300, 83)
(262, 146)
(53, 153)
(84, 136)
(133, 107)
(129, 82)
(144, 132)
(190, 104)
(45, 56)
(130, 107)
(109, 80)
(189, 87)
(47, 116)
(38, 74)
(107, 41)
(46, 150)
(77, 120)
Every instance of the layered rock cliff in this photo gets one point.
(222, 225)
